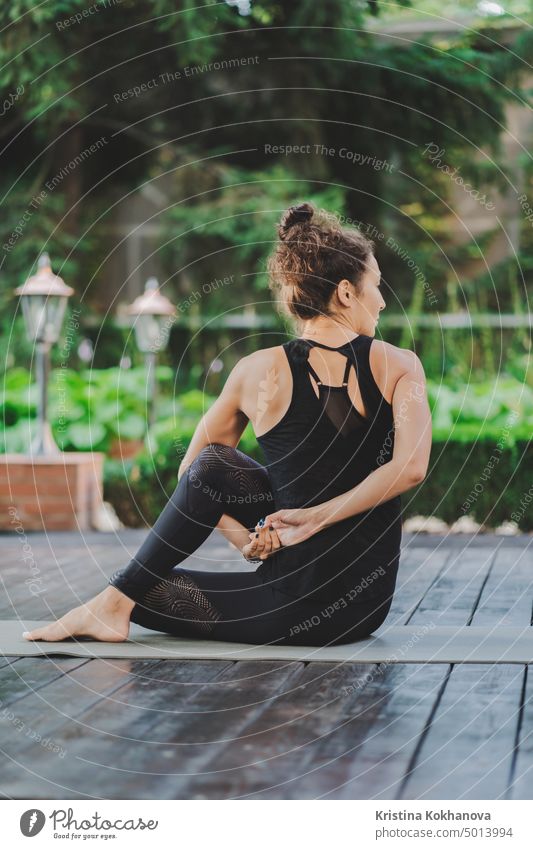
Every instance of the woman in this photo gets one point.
(345, 426)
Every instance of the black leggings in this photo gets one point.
(235, 606)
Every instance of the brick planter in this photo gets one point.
(125, 449)
(59, 493)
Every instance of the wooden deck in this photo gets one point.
(81, 729)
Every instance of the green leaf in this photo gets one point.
(130, 427)
(85, 437)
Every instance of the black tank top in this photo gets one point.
(322, 447)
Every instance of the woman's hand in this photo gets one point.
(294, 525)
(264, 542)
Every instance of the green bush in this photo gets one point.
(484, 476)
(457, 476)
(87, 410)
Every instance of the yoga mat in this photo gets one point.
(423, 643)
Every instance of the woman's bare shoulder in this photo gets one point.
(263, 359)
(389, 362)
(266, 372)
(402, 358)
(258, 362)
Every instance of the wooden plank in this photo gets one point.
(56, 600)
(507, 595)
(468, 748)
(521, 777)
(452, 598)
(180, 744)
(134, 752)
(74, 576)
(110, 727)
(365, 757)
(58, 589)
(306, 744)
(30, 674)
(423, 578)
(8, 660)
(65, 698)
(418, 571)
(274, 743)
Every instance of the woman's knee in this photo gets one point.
(229, 468)
(215, 449)
(207, 477)
(214, 458)
(236, 482)
(207, 464)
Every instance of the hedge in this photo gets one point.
(484, 475)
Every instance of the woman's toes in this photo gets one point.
(33, 635)
(50, 632)
(65, 627)
(38, 634)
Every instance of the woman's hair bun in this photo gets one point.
(312, 255)
(300, 214)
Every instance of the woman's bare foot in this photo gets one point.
(106, 617)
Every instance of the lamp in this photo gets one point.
(151, 312)
(44, 298)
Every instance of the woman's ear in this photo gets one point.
(344, 290)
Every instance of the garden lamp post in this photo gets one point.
(152, 313)
(44, 298)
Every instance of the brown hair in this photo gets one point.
(313, 255)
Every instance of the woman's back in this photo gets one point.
(328, 439)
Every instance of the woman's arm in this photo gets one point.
(407, 468)
(224, 421)
(236, 533)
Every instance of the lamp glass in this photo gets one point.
(151, 332)
(43, 316)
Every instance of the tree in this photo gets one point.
(110, 97)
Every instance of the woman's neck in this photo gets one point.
(330, 333)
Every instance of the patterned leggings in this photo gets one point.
(235, 606)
